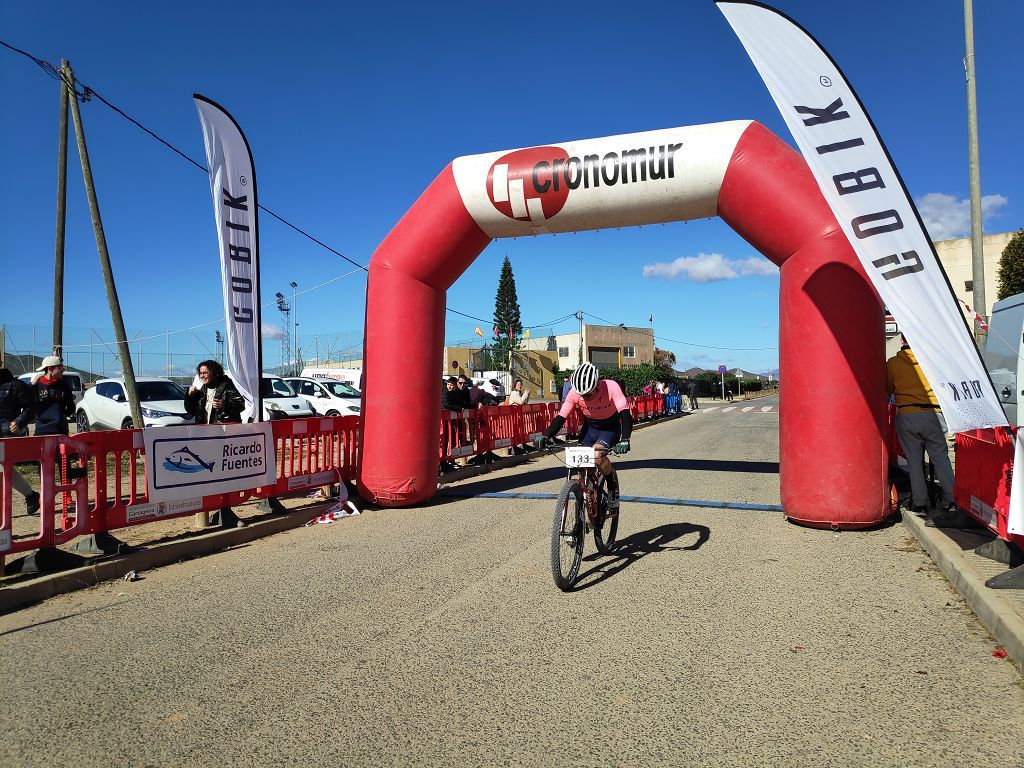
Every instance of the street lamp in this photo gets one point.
(295, 333)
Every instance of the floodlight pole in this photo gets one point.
(101, 246)
(977, 252)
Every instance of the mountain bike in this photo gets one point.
(582, 506)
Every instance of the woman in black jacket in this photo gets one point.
(217, 401)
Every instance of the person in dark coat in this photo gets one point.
(217, 401)
(55, 402)
(17, 409)
(691, 389)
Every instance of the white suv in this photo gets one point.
(327, 396)
(105, 406)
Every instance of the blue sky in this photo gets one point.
(351, 112)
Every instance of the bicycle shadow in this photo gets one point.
(637, 546)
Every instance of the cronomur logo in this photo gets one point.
(533, 184)
(515, 189)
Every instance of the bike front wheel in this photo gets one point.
(567, 535)
(605, 525)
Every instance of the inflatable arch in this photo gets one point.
(833, 402)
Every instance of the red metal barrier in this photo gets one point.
(984, 461)
(112, 492)
(309, 452)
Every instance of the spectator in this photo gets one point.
(566, 387)
(919, 427)
(461, 397)
(17, 409)
(217, 401)
(451, 436)
(480, 397)
(691, 389)
(518, 395)
(649, 389)
(728, 392)
(55, 402)
(447, 395)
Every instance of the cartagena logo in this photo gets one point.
(188, 461)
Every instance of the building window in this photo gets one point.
(968, 285)
(563, 351)
(629, 351)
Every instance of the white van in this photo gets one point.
(351, 376)
(1003, 351)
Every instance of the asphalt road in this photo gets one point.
(434, 636)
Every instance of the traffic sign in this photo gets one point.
(722, 369)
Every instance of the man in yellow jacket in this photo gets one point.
(919, 427)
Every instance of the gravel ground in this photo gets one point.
(434, 636)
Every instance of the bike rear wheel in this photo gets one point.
(605, 525)
(567, 535)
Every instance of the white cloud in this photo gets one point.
(271, 331)
(946, 217)
(710, 267)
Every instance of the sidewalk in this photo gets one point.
(952, 549)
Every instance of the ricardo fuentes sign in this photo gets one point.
(186, 462)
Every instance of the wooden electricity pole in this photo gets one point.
(101, 245)
(62, 197)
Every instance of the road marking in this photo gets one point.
(637, 499)
(768, 409)
(748, 409)
(712, 408)
(730, 408)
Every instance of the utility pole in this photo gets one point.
(62, 197)
(580, 316)
(977, 254)
(101, 247)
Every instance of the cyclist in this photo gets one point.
(608, 422)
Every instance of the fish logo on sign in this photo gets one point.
(186, 460)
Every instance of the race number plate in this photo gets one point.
(579, 457)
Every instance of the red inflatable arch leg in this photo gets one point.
(833, 397)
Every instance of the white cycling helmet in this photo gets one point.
(584, 378)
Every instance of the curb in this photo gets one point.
(109, 569)
(998, 616)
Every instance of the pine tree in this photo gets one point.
(1011, 267)
(506, 314)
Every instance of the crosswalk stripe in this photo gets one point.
(767, 409)
(730, 408)
(748, 409)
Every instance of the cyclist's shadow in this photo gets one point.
(639, 545)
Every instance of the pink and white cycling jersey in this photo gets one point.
(606, 402)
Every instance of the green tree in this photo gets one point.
(664, 359)
(506, 316)
(1011, 268)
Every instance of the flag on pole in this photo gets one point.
(478, 332)
(651, 319)
(233, 185)
(870, 201)
(526, 333)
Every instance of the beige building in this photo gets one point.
(606, 346)
(956, 258)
